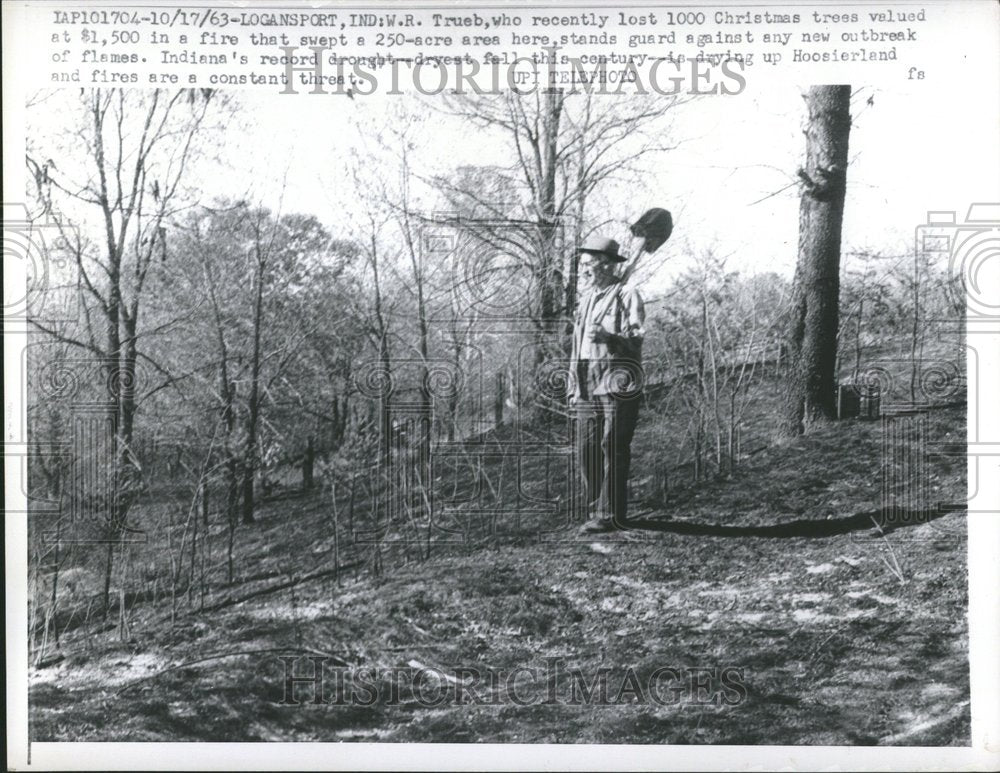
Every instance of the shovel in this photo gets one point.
(654, 228)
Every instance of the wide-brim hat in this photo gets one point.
(602, 245)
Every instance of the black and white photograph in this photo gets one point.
(556, 402)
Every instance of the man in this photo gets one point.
(606, 367)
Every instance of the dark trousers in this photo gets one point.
(605, 426)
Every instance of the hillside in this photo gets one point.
(833, 630)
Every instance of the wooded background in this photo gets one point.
(217, 353)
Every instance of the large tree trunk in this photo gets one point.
(812, 333)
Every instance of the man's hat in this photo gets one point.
(602, 245)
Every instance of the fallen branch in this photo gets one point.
(280, 586)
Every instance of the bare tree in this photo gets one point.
(565, 146)
(137, 148)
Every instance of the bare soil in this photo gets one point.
(843, 623)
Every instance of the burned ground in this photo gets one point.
(844, 626)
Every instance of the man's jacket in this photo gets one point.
(615, 367)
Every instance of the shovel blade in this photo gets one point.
(654, 228)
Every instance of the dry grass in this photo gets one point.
(834, 648)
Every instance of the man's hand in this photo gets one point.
(598, 335)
